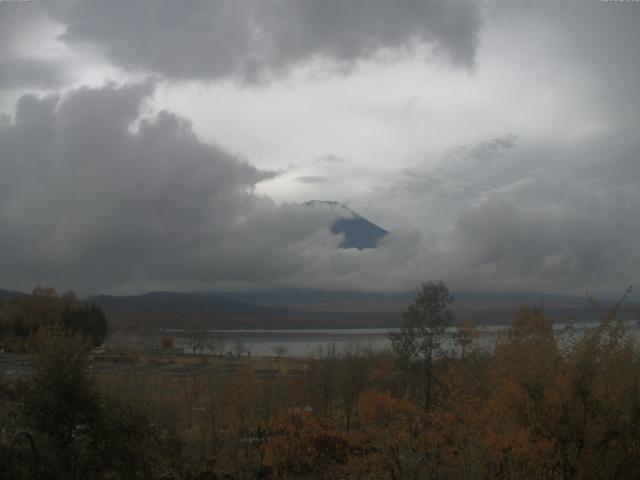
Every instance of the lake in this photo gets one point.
(303, 343)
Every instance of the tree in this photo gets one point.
(279, 351)
(388, 445)
(301, 446)
(61, 397)
(196, 340)
(239, 348)
(216, 343)
(421, 334)
(465, 337)
(191, 386)
(353, 375)
(89, 320)
(82, 431)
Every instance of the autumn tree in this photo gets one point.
(301, 446)
(465, 337)
(353, 372)
(26, 317)
(523, 369)
(191, 387)
(322, 380)
(422, 333)
(387, 446)
(242, 408)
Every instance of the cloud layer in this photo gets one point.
(87, 196)
(251, 39)
(17, 68)
(511, 165)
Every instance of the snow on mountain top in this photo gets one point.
(334, 207)
(358, 232)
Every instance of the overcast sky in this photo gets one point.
(155, 144)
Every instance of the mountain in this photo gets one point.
(181, 303)
(306, 296)
(484, 308)
(358, 232)
(315, 308)
(216, 309)
(6, 295)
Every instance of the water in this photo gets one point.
(303, 343)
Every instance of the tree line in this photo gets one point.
(25, 318)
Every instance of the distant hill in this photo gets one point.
(9, 295)
(358, 232)
(173, 302)
(315, 308)
(297, 296)
(174, 310)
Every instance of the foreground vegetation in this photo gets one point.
(536, 405)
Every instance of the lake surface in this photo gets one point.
(303, 343)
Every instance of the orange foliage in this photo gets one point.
(533, 407)
(299, 445)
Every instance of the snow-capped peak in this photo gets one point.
(334, 207)
(358, 232)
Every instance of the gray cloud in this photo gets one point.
(312, 179)
(29, 72)
(592, 38)
(88, 202)
(466, 171)
(208, 39)
(17, 22)
(93, 198)
(330, 159)
(572, 246)
(486, 150)
(559, 218)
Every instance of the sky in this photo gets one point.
(155, 144)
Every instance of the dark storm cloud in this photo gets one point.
(312, 179)
(208, 39)
(90, 202)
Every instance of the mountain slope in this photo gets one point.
(175, 310)
(358, 232)
(6, 295)
(312, 308)
(186, 303)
